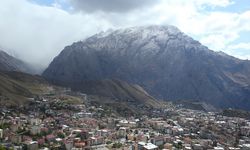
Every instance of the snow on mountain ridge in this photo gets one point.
(144, 31)
(145, 40)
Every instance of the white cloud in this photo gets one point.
(38, 33)
(115, 6)
(241, 50)
(244, 57)
(217, 41)
(244, 46)
(221, 29)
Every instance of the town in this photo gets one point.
(51, 122)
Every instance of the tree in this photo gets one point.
(61, 135)
(2, 148)
(179, 145)
(117, 145)
(161, 147)
(108, 142)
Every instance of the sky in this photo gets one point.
(37, 30)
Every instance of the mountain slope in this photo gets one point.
(16, 87)
(162, 59)
(10, 63)
(118, 90)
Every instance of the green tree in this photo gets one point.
(2, 148)
(161, 147)
(61, 135)
(117, 145)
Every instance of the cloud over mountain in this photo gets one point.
(36, 30)
(110, 5)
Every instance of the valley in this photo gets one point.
(140, 88)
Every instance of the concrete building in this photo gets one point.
(1, 133)
(146, 146)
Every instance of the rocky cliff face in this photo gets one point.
(163, 60)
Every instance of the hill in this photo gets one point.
(17, 87)
(236, 113)
(118, 91)
(10, 63)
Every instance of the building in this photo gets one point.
(33, 145)
(160, 140)
(35, 130)
(126, 123)
(1, 133)
(69, 144)
(122, 132)
(18, 148)
(218, 148)
(146, 146)
(245, 147)
(35, 121)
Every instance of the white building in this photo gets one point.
(35, 130)
(218, 148)
(246, 146)
(146, 146)
(35, 121)
(1, 133)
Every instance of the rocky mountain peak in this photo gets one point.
(140, 41)
(142, 31)
(163, 60)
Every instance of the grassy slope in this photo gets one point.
(118, 90)
(16, 87)
(236, 113)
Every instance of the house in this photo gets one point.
(35, 121)
(15, 138)
(41, 141)
(50, 138)
(98, 140)
(35, 130)
(80, 144)
(168, 146)
(121, 132)
(32, 145)
(126, 123)
(197, 147)
(69, 144)
(160, 140)
(150, 146)
(146, 146)
(245, 147)
(103, 132)
(218, 148)
(18, 148)
(245, 130)
(14, 127)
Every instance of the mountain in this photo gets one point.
(10, 63)
(124, 98)
(195, 105)
(163, 60)
(117, 90)
(17, 87)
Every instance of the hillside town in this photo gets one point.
(125, 75)
(49, 123)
